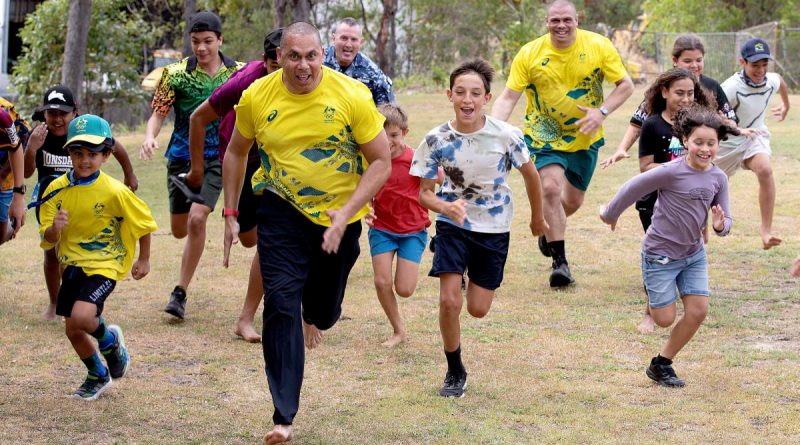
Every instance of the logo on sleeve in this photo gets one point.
(545, 61)
(272, 116)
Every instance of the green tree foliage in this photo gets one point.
(113, 56)
(246, 24)
(718, 15)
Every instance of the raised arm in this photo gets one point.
(455, 210)
(35, 142)
(505, 103)
(594, 118)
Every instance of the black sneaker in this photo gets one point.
(454, 385)
(664, 375)
(117, 357)
(543, 247)
(561, 277)
(177, 303)
(92, 387)
(432, 245)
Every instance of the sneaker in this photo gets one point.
(454, 385)
(177, 303)
(431, 245)
(92, 387)
(543, 247)
(117, 357)
(561, 277)
(664, 375)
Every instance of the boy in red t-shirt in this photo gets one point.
(398, 224)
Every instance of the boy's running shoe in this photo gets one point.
(664, 375)
(117, 357)
(561, 276)
(92, 387)
(454, 385)
(177, 303)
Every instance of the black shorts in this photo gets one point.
(482, 255)
(248, 202)
(77, 286)
(211, 188)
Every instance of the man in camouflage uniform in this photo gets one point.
(343, 56)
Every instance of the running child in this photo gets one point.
(12, 185)
(474, 206)
(673, 254)
(46, 155)
(688, 52)
(399, 225)
(94, 221)
(671, 92)
(749, 92)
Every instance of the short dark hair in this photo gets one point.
(687, 42)
(300, 28)
(394, 115)
(698, 116)
(478, 66)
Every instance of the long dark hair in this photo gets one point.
(697, 116)
(655, 103)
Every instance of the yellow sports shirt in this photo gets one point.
(308, 143)
(105, 221)
(556, 81)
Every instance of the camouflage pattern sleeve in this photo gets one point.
(164, 96)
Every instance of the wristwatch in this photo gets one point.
(230, 212)
(21, 190)
(603, 110)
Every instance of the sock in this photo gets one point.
(105, 338)
(557, 249)
(454, 361)
(659, 360)
(95, 365)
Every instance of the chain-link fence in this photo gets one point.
(648, 54)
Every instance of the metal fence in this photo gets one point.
(650, 53)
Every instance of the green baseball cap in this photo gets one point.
(90, 132)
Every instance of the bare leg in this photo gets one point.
(195, 243)
(760, 165)
(82, 321)
(312, 336)
(255, 292)
(382, 268)
(552, 177)
(479, 300)
(450, 303)
(695, 309)
(178, 224)
(647, 325)
(279, 434)
(52, 279)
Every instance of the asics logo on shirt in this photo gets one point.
(272, 116)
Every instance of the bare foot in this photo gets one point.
(647, 325)
(279, 434)
(769, 241)
(49, 314)
(311, 335)
(394, 340)
(245, 330)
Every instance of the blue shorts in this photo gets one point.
(409, 246)
(665, 278)
(5, 203)
(482, 255)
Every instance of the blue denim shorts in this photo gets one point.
(665, 279)
(409, 246)
(5, 203)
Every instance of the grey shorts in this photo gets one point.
(211, 188)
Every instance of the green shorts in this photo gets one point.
(578, 165)
(211, 188)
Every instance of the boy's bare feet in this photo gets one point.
(768, 240)
(394, 340)
(311, 335)
(245, 330)
(279, 434)
(49, 314)
(647, 325)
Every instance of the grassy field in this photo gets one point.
(545, 366)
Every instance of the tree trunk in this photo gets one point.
(385, 44)
(302, 11)
(189, 9)
(279, 21)
(80, 12)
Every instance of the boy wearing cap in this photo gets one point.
(184, 86)
(12, 186)
(221, 103)
(94, 221)
(46, 155)
(749, 92)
